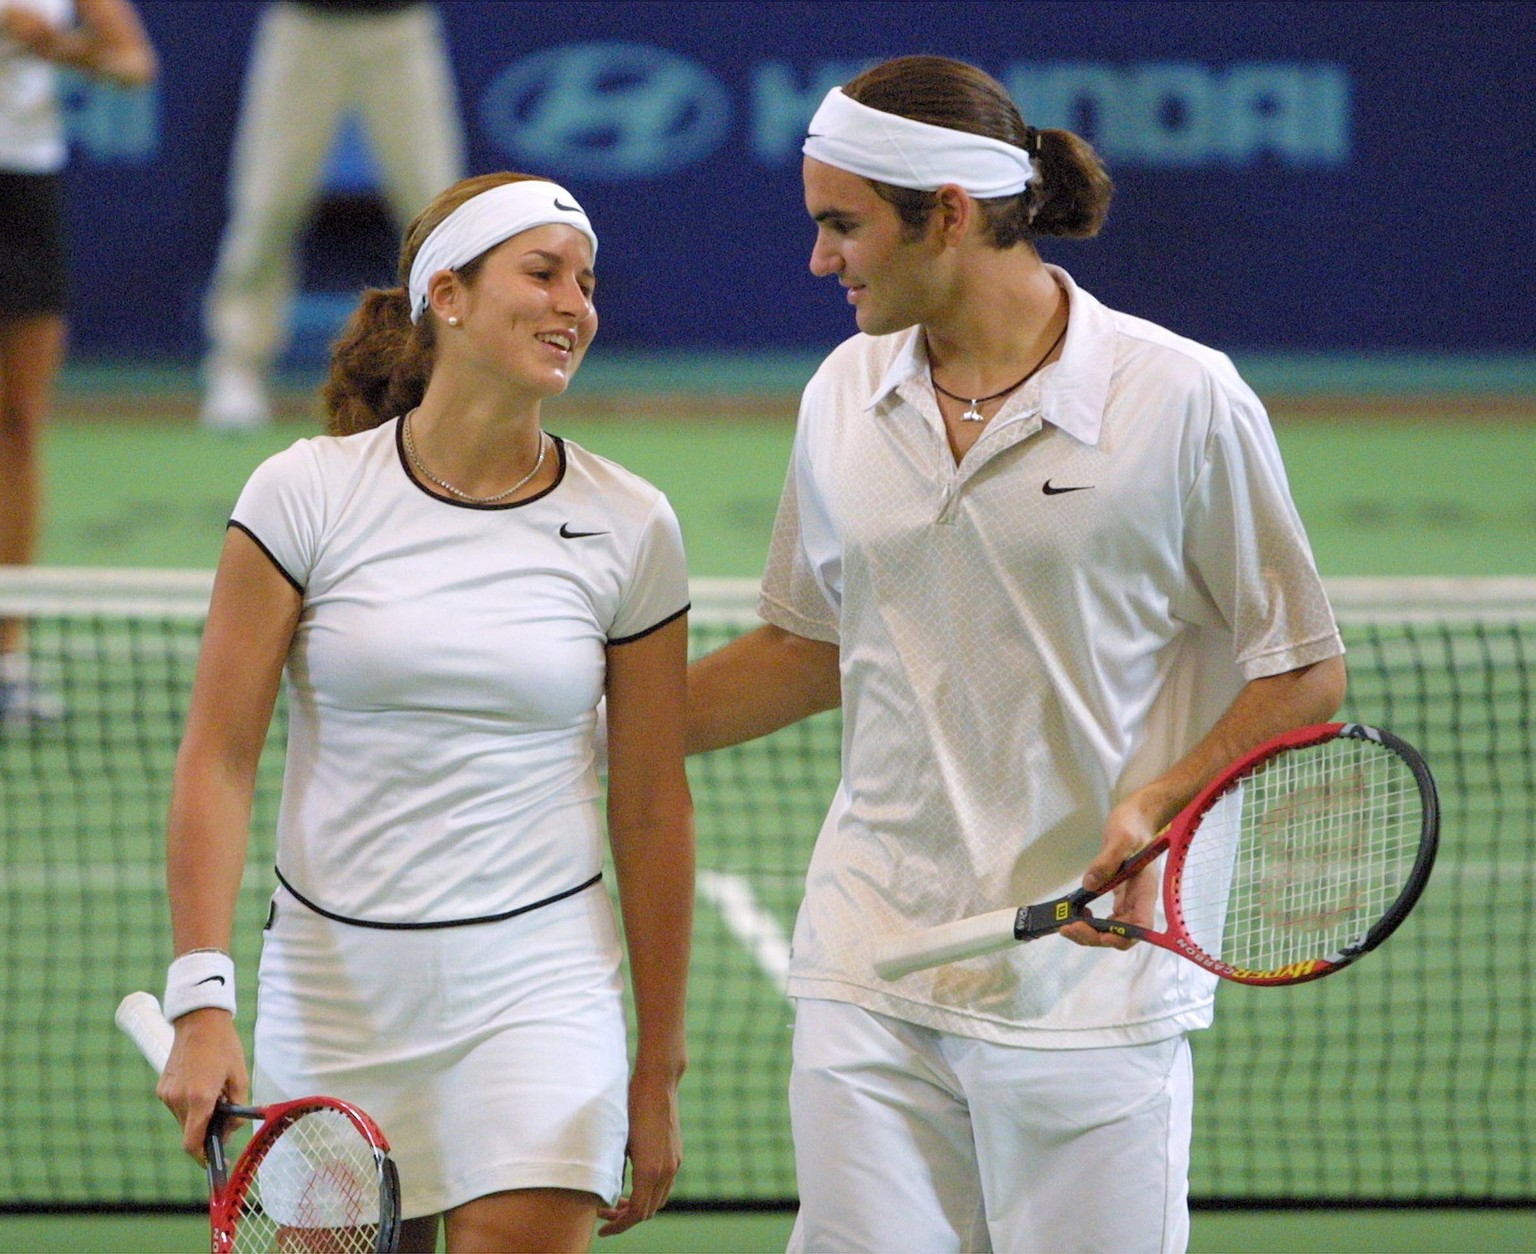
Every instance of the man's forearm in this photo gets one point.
(760, 682)
(1263, 709)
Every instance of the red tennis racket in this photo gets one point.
(1303, 855)
(315, 1177)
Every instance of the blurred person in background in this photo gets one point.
(313, 63)
(105, 39)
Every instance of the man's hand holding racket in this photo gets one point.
(1301, 856)
(1127, 831)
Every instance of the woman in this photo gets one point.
(452, 591)
(103, 38)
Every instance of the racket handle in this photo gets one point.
(949, 942)
(138, 1014)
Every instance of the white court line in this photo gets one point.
(746, 919)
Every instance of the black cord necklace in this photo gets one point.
(975, 415)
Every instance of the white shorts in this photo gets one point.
(911, 1139)
(492, 1055)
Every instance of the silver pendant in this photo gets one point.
(972, 414)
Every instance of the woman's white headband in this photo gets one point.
(484, 221)
(892, 149)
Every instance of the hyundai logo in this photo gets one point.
(606, 110)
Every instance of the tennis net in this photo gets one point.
(1406, 1080)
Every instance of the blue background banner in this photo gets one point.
(1291, 177)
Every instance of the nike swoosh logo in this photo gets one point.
(210, 979)
(567, 208)
(1050, 490)
(567, 534)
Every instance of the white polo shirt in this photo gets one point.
(444, 678)
(1025, 638)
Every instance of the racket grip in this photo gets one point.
(138, 1014)
(949, 942)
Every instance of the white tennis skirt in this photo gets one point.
(492, 1055)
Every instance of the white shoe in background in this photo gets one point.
(22, 701)
(235, 399)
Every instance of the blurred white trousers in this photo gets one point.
(306, 72)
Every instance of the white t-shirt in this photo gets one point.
(443, 680)
(31, 125)
(1025, 638)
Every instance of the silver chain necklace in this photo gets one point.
(420, 468)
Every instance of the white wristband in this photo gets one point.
(202, 978)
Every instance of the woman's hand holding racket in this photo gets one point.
(205, 1065)
(316, 1174)
(1300, 857)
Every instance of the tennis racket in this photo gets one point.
(316, 1175)
(1303, 855)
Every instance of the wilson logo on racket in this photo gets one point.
(1293, 866)
(1300, 857)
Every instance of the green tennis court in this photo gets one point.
(1422, 1091)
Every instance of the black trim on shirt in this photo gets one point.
(423, 927)
(297, 586)
(640, 635)
(428, 490)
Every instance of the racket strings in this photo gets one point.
(1300, 859)
(318, 1189)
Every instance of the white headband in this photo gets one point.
(484, 221)
(892, 149)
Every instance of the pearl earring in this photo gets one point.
(452, 321)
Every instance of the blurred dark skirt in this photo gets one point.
(34, 276)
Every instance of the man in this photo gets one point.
(1044, 556)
